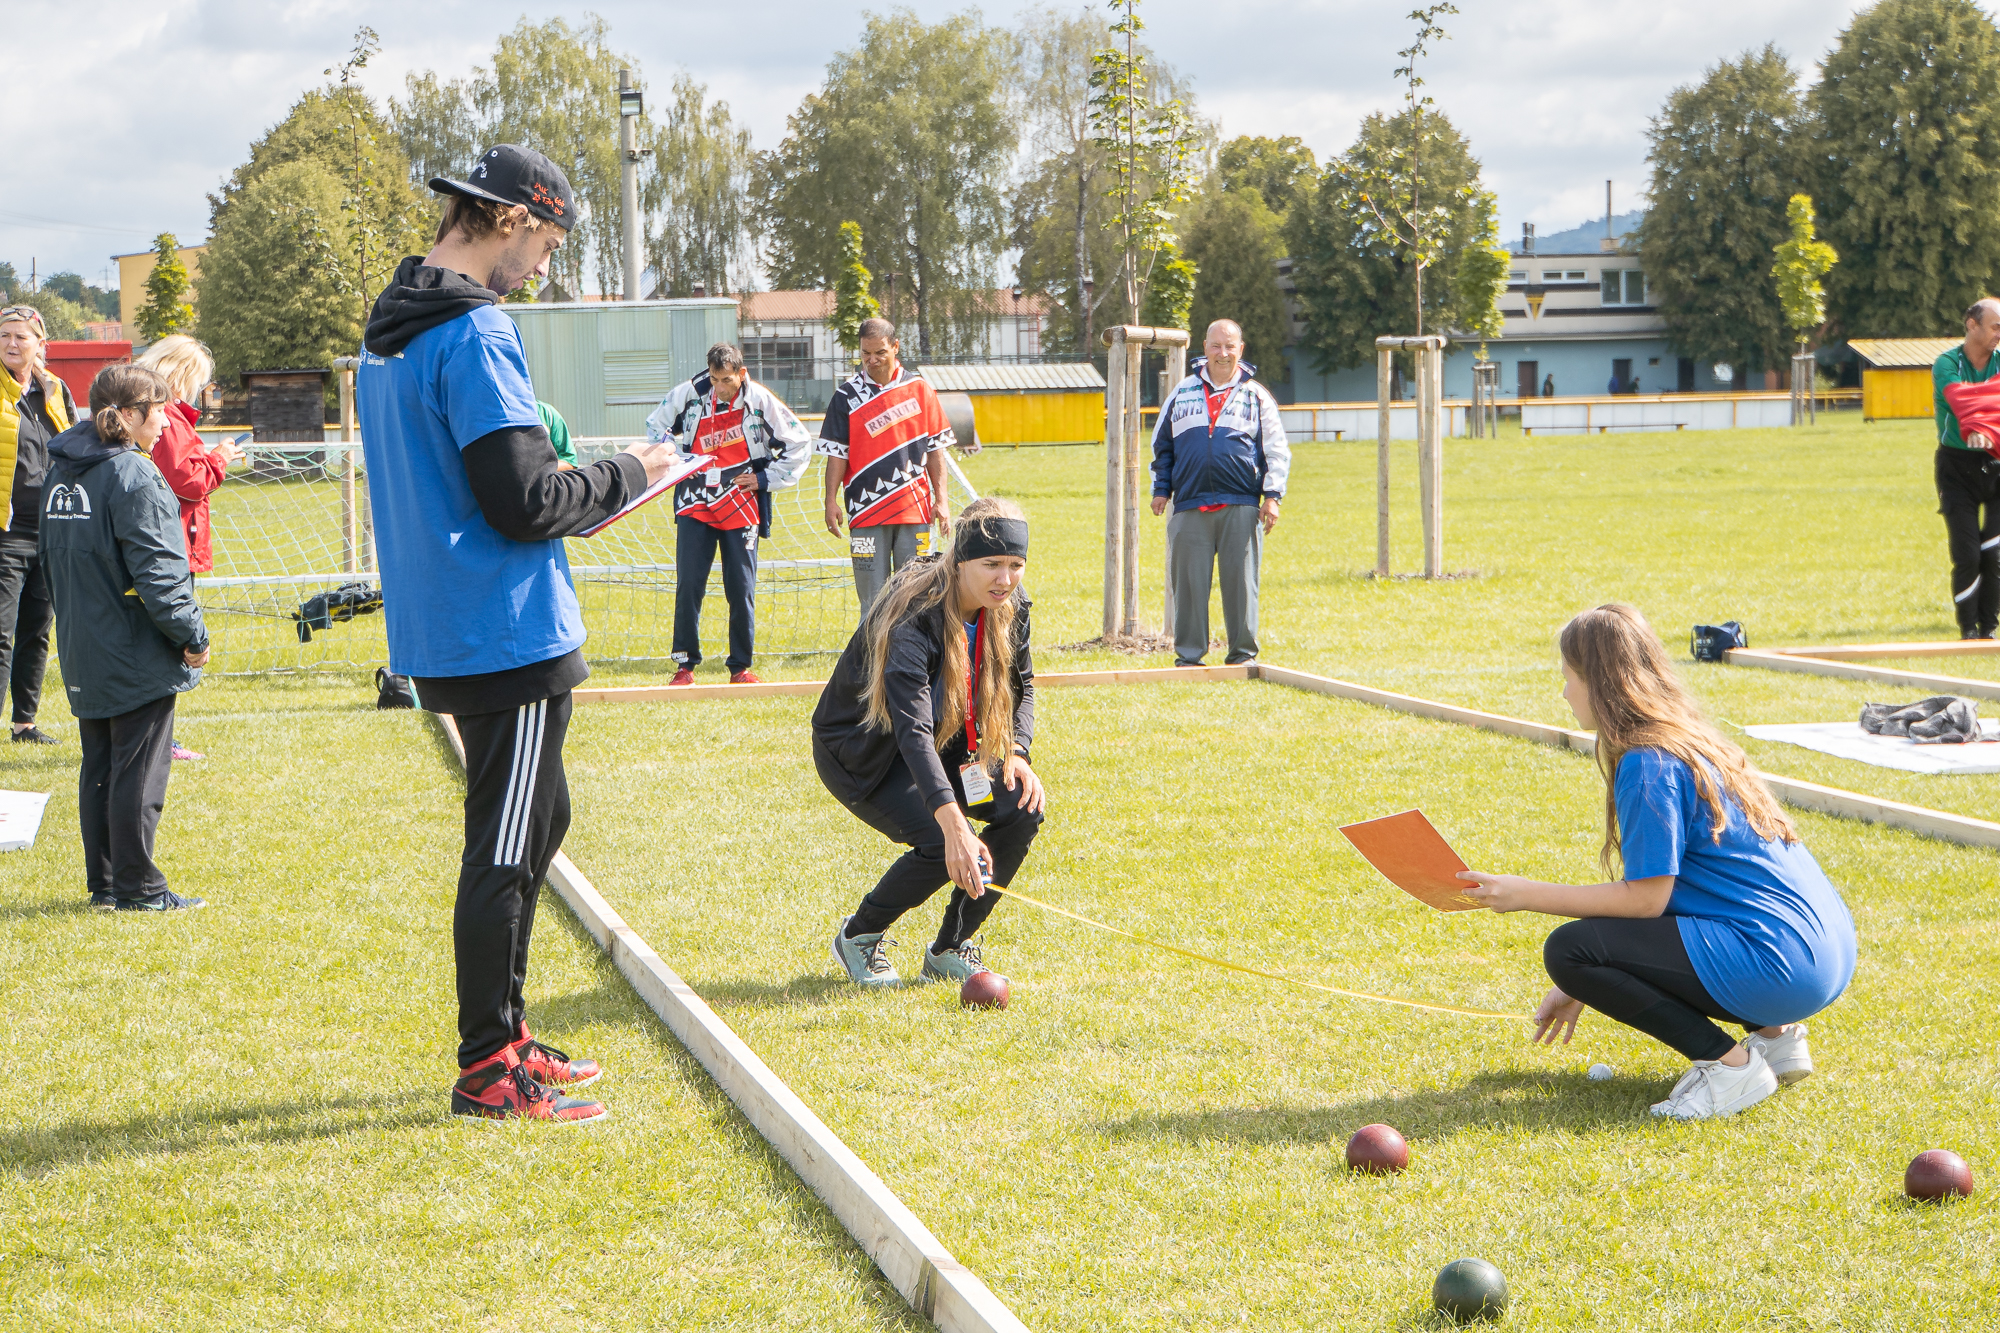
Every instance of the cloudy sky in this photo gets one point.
(132, 110)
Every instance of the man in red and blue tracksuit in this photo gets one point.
(1221, 458)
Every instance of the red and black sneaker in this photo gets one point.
(499, 1088)
(685, 676)
(552, 1068)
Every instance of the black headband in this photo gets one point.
(992, 536)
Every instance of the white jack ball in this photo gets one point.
(1598, 1073)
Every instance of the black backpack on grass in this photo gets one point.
(1709, 642)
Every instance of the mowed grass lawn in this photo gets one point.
(244, 1124)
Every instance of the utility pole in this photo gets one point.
(631, 105)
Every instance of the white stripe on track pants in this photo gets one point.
(516, 812)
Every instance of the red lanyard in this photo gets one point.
(972, 685)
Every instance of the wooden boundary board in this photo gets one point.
(1821, 666)
(916, 1263)
(1854, 652)
(638, 694)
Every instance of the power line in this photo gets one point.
(9, 215)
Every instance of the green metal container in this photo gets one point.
(606, 365)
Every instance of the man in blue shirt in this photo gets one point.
(471, 507)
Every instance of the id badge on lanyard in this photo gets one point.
(972, 774)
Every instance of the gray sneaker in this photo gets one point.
(1787, 1053)
(863, 958)
(953, 965)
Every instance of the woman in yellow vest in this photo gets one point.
(35, 407)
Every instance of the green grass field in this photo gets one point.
(240, 1121)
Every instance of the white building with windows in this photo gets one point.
(1577, 325)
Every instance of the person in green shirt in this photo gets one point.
(558, 430)
(1968, 478)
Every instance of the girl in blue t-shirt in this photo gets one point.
(1722, 914)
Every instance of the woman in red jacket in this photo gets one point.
(192, 471)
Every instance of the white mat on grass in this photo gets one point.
(1849, 741)
(20, 819)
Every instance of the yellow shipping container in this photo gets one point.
(1896, 375)
(1029, 404)
(1898, 392)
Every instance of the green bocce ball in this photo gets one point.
(1469, 1289)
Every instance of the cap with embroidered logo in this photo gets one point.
(510, 174)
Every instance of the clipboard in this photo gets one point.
(1413, 856)
(681, 470)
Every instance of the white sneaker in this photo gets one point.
(1787, 1053)
(1711, 1088)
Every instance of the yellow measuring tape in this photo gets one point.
(1251, 971)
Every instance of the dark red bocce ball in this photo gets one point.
(1937, 1174)
(1378, 1149)
(984, 990)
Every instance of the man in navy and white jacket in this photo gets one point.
(1220, 456)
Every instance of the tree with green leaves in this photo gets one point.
(1802, 261)
(277, 287)
(95, 302)
(1280, 170)
(167, 309)
(325, 200)
(1907, 129)
(1412, 209)
(1482, 273)
(553, 87)
(1356, 274)
(1236, 242)
(1152, 148)
(1726, 153)
(1061, 218)
(910, 137)
(852, 303)
(1170, 295)
(695, 192)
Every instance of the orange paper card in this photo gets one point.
(1414, 857)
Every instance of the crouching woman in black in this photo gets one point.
(925, 725)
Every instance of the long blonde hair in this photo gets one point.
(184, 362)
(1641, 703)
(926, 587)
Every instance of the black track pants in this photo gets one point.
(25, 618)
(896, 810)
(516, 812)
(121, 790)
(1968, 481)
(1638, 972)
(695, 547)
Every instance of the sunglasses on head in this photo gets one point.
(24, 312)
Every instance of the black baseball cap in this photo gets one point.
(510, 174)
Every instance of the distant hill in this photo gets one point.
(1584, 239)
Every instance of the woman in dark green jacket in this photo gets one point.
(128, 632)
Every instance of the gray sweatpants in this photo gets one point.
(1195, 543)
(880, 551)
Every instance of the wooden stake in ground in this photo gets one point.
(1124, 475)
(1429, 385)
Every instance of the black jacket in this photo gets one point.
(31, 460)
(862, 755)
(117, 574)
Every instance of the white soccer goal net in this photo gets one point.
(293, 546)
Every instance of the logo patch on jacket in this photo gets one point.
(67, 501)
